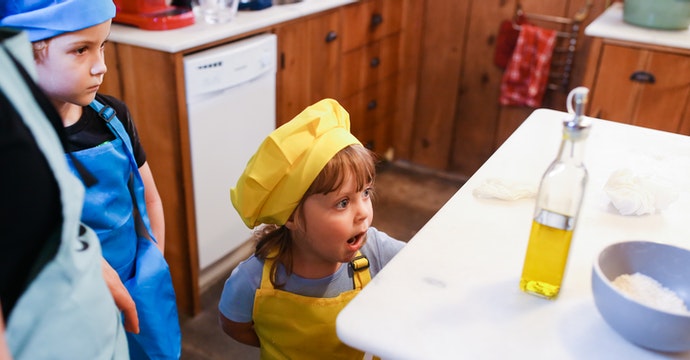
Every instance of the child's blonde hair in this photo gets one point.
(355, 161)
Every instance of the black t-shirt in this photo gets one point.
(91, 130)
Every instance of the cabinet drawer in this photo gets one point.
(641, 87)
(377, 138)
(371, 110)
(372, 104)
(368, 65)
(368, 21)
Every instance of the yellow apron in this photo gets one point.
(292, 326)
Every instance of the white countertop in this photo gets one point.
(453, 291)
(610, 25)
(200, 33)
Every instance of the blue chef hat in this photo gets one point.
(42, 19)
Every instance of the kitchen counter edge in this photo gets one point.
(201, 33)
(610, 25)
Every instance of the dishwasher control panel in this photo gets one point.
(229, 65)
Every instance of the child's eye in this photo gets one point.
(367, 192)
(80, 50)
(342, 203)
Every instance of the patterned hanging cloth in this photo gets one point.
(525, 78)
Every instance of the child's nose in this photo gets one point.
(99, 67)
(364, 209)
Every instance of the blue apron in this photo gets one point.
(115, 209)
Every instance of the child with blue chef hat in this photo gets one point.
(310, 184)
(122, 204)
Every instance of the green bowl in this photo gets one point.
(658, 14)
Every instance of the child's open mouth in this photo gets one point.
(357, 239)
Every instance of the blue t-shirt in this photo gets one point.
(237, 299)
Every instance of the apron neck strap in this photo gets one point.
(360, 271)
(136, 184)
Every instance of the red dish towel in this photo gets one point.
(506, 40)
(524, 81)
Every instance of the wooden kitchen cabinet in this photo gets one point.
(351, 54)
(370, 68)
(640, 84)
(308, 63)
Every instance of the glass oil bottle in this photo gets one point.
(557, 206)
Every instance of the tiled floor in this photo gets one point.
(405, 199)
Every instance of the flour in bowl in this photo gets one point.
(648, 291)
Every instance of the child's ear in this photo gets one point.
(290, 223)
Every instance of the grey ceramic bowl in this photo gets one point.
(640, 324)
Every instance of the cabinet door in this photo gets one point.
(293, 68)
(661, 105)
(613, 94)
(309, 58)
(641, 87)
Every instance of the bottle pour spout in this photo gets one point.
(575, 103)
(578, 96)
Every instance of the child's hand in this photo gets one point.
(123, 300)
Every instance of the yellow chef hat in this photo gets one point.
(288, 161)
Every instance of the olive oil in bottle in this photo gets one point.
(557, 206)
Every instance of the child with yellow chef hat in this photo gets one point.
(310, 183)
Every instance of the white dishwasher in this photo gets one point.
(231, 108)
